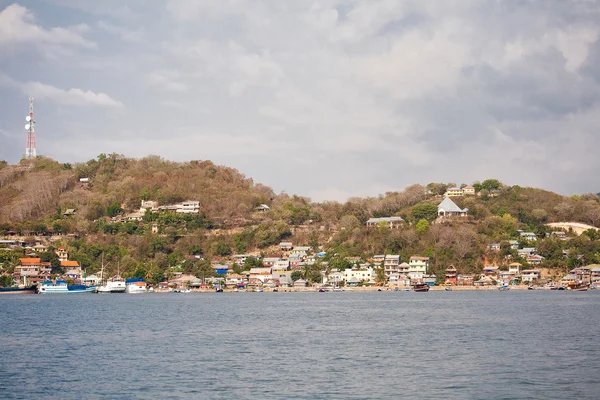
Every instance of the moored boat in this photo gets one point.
(135, 285)
(61, 287)
(18, 290)
(420, 287)
(114, 285)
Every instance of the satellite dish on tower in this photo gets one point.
(28, 118)
(27, 126)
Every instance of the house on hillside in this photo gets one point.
(286, 246)
(388, 222)
(469, 190)
(262, 208)
(391, 264)
(448, 208)
(453, 192)
(528, 235)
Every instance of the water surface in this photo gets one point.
(380, 345)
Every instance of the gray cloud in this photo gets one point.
(327, 99)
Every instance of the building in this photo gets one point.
(390, 265)
(286, 246)
(469, 190)
(447, 208)
(491, 270)
(534, 259)
(366, 275)
(528, 235)
(33, 269)
(529, 275)
(417, 267)
(465, 280)
(388, 222)
(514, 268)
(189, 207)
(262, 208)
(451, 275)
(453, 192)
(62, 254)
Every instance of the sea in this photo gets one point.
(287, 345)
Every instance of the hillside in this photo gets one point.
(35, 196)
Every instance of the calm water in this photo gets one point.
(486, 345)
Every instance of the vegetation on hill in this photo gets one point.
(35, 195)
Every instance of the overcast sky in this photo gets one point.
(324, 98)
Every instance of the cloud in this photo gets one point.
(71, 97)
(18, 27)
(332, 98)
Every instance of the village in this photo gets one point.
(287, 268)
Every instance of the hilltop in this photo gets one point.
(94, 207)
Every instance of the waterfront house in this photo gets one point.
(91, 280)
(366, 275)
(417, 265)
(451, 275)
(448, 208)
(390, 265)
(284, 277)
(260, 274)
(33, 268)
(300, 283)
(388, 222)
(399, 280)
(529, 275)
(514, 268)
(465, 280)
(334, 278)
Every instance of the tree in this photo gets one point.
(422, 226)
(296, 275)
(380, 276)
(425, 211)
(491, 184)
(6, 280)
(114, 209)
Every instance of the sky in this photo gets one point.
(327, 99)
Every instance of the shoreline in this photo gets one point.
(350, 289)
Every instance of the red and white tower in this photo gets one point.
(30, 150)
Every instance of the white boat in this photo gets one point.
(60, 286)
(116, 284)
(135, 285)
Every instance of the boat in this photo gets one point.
(61, 287)
(19, 290)
(503, 287)
(116, 284)
(420, 287)
(135, 285)
(448, 288)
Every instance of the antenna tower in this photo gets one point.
(30, 150)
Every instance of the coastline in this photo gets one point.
(350, 289)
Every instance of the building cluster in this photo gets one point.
(186, 207)
(32, 270)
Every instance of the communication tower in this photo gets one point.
(30, 150)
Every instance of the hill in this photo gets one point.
(94, 207)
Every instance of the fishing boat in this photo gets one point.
(61, 287)
(21, 289)
(116, 284)
(420, 287)
(18, 290)
(135, 285)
